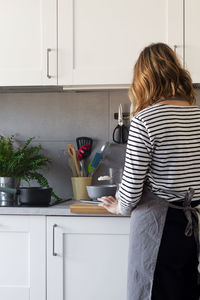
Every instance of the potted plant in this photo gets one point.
(22, 161)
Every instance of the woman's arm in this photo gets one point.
(137, 160)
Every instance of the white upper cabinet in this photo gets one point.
(192, 38)
(88, 42)
(28, 30)
(99, 40)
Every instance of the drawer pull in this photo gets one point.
(48, 51)
(54, 253)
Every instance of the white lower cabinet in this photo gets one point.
(22, 258)
(87, 258)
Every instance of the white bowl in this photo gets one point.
(97, 191)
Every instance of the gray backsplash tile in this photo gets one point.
(56, 119)
(55, 116)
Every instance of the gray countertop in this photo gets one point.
(62, 209)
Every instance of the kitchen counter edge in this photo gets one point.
(62, 209)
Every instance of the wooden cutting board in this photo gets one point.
(85, 208)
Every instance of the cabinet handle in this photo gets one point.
(175, 47)
(48, 51)
(54, 253)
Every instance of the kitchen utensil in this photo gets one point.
(72, 166)
(97, 158)
(72, 152)
(30, 196)
(80, 141)
(120, 133)
(83, 152)
(84, 144)
(97, 191)
(95, 162)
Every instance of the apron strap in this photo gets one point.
(189, 211)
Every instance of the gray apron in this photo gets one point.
(146, 229)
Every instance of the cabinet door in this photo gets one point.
(22, 258)
(99, 40)
(87, 258)
(192, 38)
(28, 30)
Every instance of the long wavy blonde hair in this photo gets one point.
(158, 74)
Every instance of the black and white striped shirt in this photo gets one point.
(163, 150)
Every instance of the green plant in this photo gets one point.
(23, 161)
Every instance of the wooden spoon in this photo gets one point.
(73, 154)
(72, 166)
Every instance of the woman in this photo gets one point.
(161, 176)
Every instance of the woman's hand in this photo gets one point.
(109, 203)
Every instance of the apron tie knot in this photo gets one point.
(188, 197)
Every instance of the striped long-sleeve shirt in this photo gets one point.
(163, 151)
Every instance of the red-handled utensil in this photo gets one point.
(83, 140)
(84, 151)
(84, 145)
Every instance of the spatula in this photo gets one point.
(83, 152)
(85, 144)
(83, 140)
